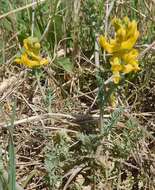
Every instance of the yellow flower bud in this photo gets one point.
(116, 77)
(116, 64)
(135, 65)
(130, 56)
(128, 68)
(121, 34)
(37, 45)
(104, 44)
(116, 23)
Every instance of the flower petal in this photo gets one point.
(116, 77)
(104, 44)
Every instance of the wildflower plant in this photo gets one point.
(124, 56)
(30, 56)
(123, 60)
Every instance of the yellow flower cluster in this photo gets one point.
(31, 57)
(124, 56)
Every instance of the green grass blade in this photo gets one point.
(12, 170)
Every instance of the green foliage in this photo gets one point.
(66, 64)
(11, 168)
(92, 22)
(112, 122)
(8, 181)
(89, 150)
(3, 182)
(89, 144)
(127, 140)
(57, 156)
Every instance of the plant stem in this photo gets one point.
(39, 85)
(33, 17)
(97, 63)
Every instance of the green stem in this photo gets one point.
(39, 85)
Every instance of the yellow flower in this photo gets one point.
(126, 36)
(130, 56)
(31, 44)
(31, 56)
(105, 45)
(120, 35)
(128, 68)
(117, 23)
(135, 65)
(32, 63)
(130, 42)
(124, 56)
(130, 60)
(116, 64)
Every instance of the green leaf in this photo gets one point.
(66, 64)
